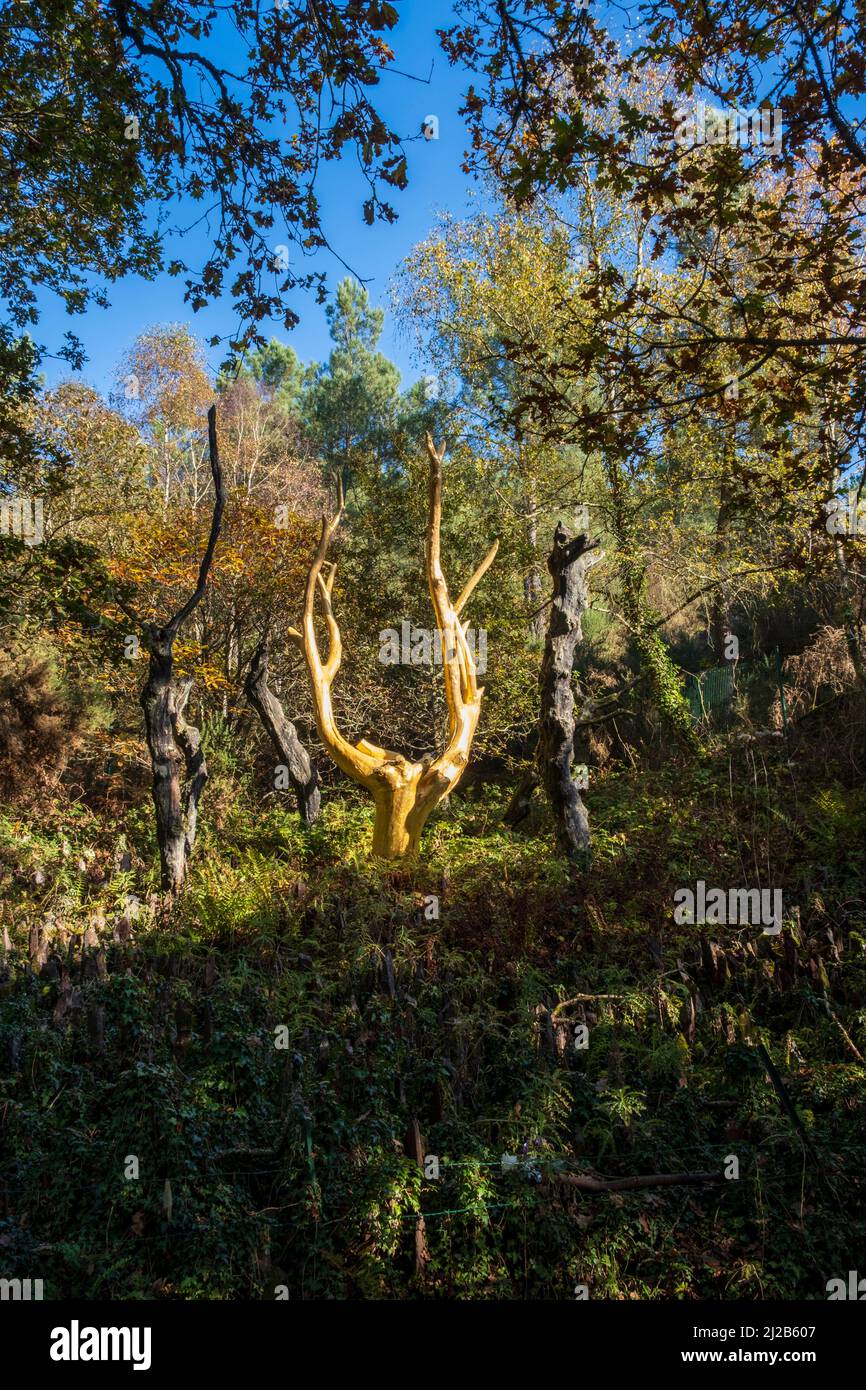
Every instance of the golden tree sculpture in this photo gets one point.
(404, 793)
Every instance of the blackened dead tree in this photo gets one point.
(568, 563)
(174, 744)
(283, 735)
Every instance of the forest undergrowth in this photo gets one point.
(229, 1097)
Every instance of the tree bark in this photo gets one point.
(568, 563)
(422, 1254)
(189, 741)
(172, 741)
(284, 736)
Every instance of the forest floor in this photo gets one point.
(230, 1097)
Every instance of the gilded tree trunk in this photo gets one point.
(399, 817)
(404, 793)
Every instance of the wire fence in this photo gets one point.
(713, 694)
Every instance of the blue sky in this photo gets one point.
(436, 184)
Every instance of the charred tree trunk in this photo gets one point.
(284, 736)
(189, 741)
(175, 745)
(568, 563)
(157, 700)
(177, 759)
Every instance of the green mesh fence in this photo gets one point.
(711, 691)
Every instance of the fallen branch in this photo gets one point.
(587, 1183)
(848, 1039)
(784, 1099)
(584, 999)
